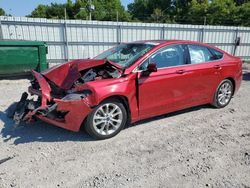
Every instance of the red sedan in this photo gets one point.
(130, 82)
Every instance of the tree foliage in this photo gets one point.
(2, 12)
(214, 12)
(244, 15)
(104, 10)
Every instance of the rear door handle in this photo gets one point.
(180, 71)
(217, 66)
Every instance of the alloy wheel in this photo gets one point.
(224, 93)
(107, 119)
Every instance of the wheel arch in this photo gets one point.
(124, 100)
(120, 98)
(233, 82)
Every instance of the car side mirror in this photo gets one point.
(152, 67)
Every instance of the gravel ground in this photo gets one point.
(198, 147)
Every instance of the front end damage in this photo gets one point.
(67, 112)
(60, 96)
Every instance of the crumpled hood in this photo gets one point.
(66, 74)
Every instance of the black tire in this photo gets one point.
(89, 124)
(217, 103)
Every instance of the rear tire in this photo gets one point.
(223, 94)
(106, 120)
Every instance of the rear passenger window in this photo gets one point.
(216, 54)
(199, 54)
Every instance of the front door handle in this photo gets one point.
(180, 71)
(217, 67)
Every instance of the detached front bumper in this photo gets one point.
(67, 112)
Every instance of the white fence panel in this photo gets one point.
(77, 39)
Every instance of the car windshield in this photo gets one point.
(126, 54)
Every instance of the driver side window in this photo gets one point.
(166, 57)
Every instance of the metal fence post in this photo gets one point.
(66, 43)
(201, 36)
(163, 33)
(119, 37)
(234, 41)
(1, 31)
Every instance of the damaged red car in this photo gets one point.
(130, 82)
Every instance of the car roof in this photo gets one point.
(158, 41)
(166, 41)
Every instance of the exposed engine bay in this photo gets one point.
(105, 71)
(98, 73)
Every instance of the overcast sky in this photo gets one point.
(24, 7)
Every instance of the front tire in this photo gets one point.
(223, 94)
(106, 120)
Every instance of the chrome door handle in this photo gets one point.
(180, 71)
(217, 66)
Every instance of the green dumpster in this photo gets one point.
(20, 57)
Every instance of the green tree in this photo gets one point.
(39, 12)
(222, 12)
(104, 10)
(79, 10)
(108, 9)
(150, 10)
(196, 12)
(2, 12)
(54, 10)
(182, 8)
(158, 15)
(244, 14)
(215, 12)
(139, 10)
(241, 2)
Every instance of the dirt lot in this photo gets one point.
(198, 147)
